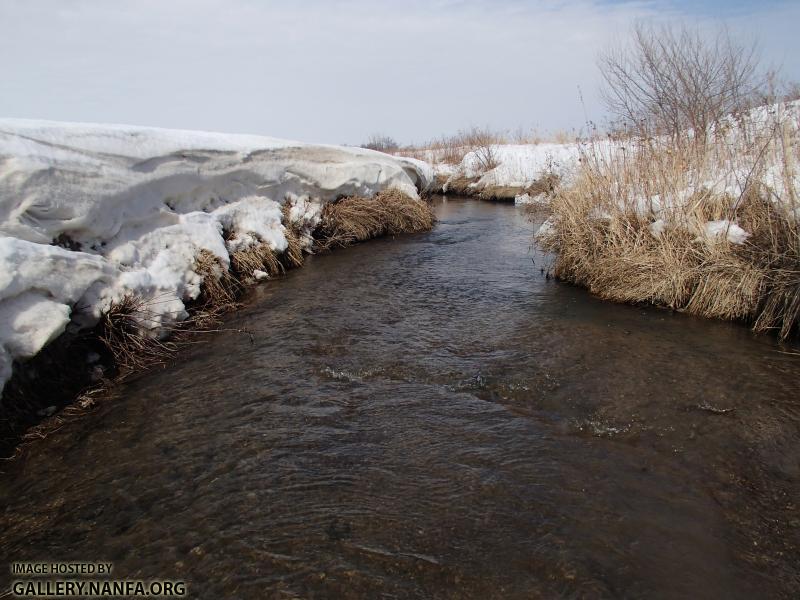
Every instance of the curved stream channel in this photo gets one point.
(430, 416)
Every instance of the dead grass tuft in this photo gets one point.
(293, 255)
(256, 258)
(500, 193)
(461, 185)
(546, 184)
(355, 219)
(220, 287)
(123, 330)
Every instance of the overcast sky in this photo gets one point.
(336, 71)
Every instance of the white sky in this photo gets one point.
(336, 71)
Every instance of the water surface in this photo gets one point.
(432, 417)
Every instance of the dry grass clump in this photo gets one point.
(630, 228)
(261, 257)
(658, 216)
(500, 193)
(356, 219)
(546, 184)
(220, 287)
(123, 330)
(293, 255)
(779, 310)
(256, 258)
(461, 185)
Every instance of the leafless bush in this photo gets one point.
(382, 143)
(673, 80)
(791, 91)
(481, 142)
(776, 89)
(451, 149)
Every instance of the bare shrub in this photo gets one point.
(673, 80)
(775, 90)
(451, 149)
(481, 142)
(382, 143)
(634, 224)
(791, 91)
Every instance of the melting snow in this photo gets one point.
(133, 207)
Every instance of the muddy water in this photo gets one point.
(432, 417)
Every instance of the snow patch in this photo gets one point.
(657, 227)
(724, 229)
(527, 199)
(546, 229)
(134, 206)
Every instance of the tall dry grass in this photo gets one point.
(632, 226)
(355, 219)
(451, 149)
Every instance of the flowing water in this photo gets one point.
(433, 417)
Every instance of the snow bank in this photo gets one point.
(90, 213)
(518, 165)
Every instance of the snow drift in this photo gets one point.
(92, 213)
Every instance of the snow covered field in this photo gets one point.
(92, 213)
(521, 165)
(518, 166)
